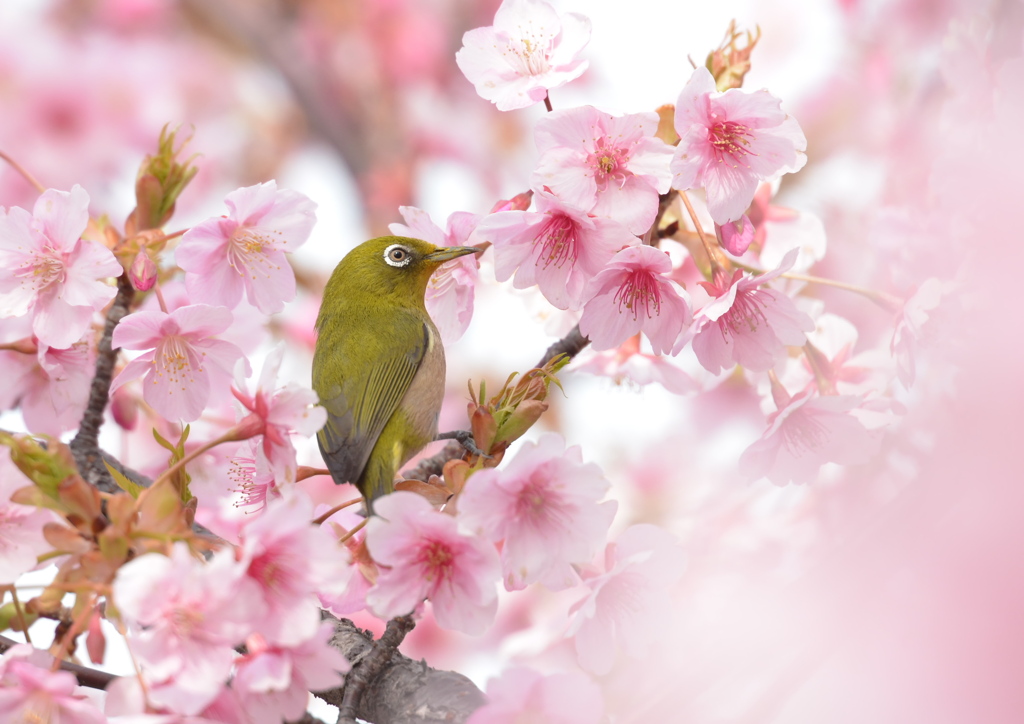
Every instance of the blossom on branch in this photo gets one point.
(245, 250)
(529, 50)
(611, 166)
(746, 323)
(185, 618)
(544, 506)
(21, 526)
(632, 294)
(46, 268)
(184, 360)
(557, 247)
(425, 556)
(449, 296)
(277, 414)
(729, 142)
(31, 692)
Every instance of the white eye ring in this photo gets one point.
(397, 255)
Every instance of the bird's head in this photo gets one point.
(398, 267)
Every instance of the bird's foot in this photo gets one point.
(465, 438)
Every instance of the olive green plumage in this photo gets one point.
(379, 362)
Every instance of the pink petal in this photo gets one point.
(62, 216)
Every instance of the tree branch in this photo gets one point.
(85, 446)
(393, 688)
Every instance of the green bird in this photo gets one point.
(379, 363)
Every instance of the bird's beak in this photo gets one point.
(444, 253)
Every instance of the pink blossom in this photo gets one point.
(273, 682)
(911, 326)
(627, 364)
(736, 236)
(30, 692)
(254, 482)
(21, 526)
(246, 249)
(521, 695)
(558, 247)
(746, 323)
(545, 508)
(449, 297)
(731, 141)
(278, 413)
(50, 386)
(184, 361)
(613, 166)
(290, 560)
(427, 557)
(632, 294)
(351, 597)
(529, 50)
(46, 268)
(630, 601)
(185, 616)
(806, 432)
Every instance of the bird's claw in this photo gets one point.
(465, 438)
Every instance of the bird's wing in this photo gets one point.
(360, 404)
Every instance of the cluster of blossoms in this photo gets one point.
(609, 197)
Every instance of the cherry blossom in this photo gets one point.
(529, 50)
(46, 268)
(632, 294)
(184, 360)
(273, 682)
(449, 297)
(521, 695)
(427, 557)
(31, 692)
(544, 506)
(629, 601)
(626, 363)
(277, 414)
(747, 323)
(185, 616)
(290, 560)
(51, 386)
(731, 141)
(351, 597)
(557, 247)
(806, 432)
(612, 166)
(21, 526)
(910, 331)
(245, 250)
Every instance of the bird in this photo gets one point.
(378, 364)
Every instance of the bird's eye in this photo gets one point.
(397, 255)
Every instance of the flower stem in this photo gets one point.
(226, 437)
(712, 256)
(547, 102)
(24, 172)
(359, 526)
(160, 298)
(883, 299)
(320, 520)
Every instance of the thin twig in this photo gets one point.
(85, 446)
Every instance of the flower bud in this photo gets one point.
(142, 272)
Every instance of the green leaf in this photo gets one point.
(124, 482)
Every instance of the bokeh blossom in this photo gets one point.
(449, 297)
(729, 142)
(48, 269)
(557, 247)
(608, 165)
(183, 359)
(521, 695)
(245, 250)
(529, 50)
(545, 507)
(21, 526)
(31, 692)
(427, 557)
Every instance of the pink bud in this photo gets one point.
(736, 235)
(519, 202)
(125, 408)
(142, 272)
